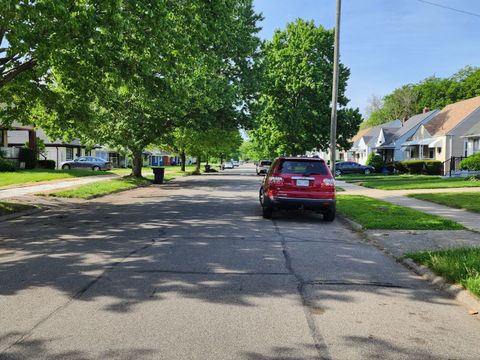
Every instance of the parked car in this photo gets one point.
(87, 162)
(294, 183)
(263, 166)
(236, 163)
(228, 165)
(350, 167)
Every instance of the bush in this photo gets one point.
(428, 167)
(471, 163)
(434, 167)
(27, 156)
(376, 161)
(6, 165)
(46, 164)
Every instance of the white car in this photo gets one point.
(228, 165)
(263, 166)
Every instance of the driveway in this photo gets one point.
(190, 270)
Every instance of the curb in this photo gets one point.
(463, 296)
(20, 214)
(353, 224)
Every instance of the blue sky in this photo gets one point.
(388, 43)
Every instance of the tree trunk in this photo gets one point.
(137, 163)
(197, 169)
(183, 159)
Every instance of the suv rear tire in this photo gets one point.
(329, 216)
(267, 212)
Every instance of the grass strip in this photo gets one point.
(100, 188)
(459, 265)
(22, 177)
(408, 182)
(465, 200)
(7, 208)
(377, 214)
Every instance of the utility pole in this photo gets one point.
(333, 124)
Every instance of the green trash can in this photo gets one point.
(158, 175)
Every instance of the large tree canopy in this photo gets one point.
(140, 69)
(432, 92)
(293, 113)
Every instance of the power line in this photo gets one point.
(449, 8)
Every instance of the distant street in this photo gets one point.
(190, 270)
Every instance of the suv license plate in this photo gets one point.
(303, 183)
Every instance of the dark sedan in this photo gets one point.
(350, 167)
(87, 162)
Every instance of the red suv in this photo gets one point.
(295, 182)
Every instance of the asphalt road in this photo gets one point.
(190, 270)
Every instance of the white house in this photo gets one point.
(391, 148)
(55, 150)
(442, 138)
(472, 137)
(368, 140)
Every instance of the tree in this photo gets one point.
(147, 69)
(293, 111)
(432, 92)
(375, 103)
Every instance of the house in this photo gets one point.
(368, 140)
(10, 152)
(472, 137)
(393, 138)
(158, 157)
(442, 138)
(55, 150)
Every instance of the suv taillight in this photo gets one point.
(330, 182)
(275, 180)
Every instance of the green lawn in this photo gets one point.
(339, 189)
(100, 188)
(407, 182)
(7, 208)
(465, 200)
(461, 265)
(377, 214)
(36, 175)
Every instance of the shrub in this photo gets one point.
(434, 167)
(471, 163)
(429, 167)
(376, 161)
(46, 164)
(6, 165)
(27, 156)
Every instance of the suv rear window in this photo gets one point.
(263, 163)
(303, 167)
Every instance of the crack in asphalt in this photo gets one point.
(355, 283)
(179, 272)
(318, 340)
(77, 295)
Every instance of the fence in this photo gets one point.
(452, 165)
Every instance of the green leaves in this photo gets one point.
(293, 111)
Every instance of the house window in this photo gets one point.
(431, 153)
(69, 153)
(465, 147)
(439, 150)
(1, 137)
(476, 145)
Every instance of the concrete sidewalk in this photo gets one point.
(468, 219)
(52, 185)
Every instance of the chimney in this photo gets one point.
(426, 109)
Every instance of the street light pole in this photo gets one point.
(333, 123)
